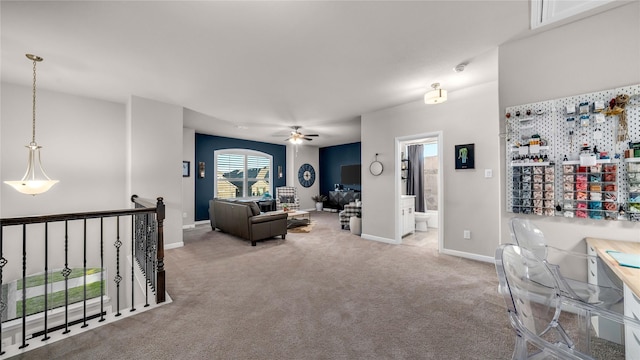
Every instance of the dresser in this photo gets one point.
(338, 199)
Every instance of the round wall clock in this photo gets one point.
(306, 175)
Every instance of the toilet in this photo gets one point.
(421, 221)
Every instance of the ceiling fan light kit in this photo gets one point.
(296, 136)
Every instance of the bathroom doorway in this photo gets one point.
(424, 149)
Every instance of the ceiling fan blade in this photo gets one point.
(306, 138)
(311, 135)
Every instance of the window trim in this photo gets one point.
(245, 153)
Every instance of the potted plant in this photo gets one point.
(319, 199)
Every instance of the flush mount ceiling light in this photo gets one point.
(35, 181)
(435, 96)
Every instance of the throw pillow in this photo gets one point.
(255, 209)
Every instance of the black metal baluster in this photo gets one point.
(118, 278)
(133, 257)
(159, 241)
(101, 269)
(24, 287)
(3, 305)
(84, 276)
(147, 255)
(65, 272)
(46, 282)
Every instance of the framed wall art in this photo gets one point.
(186, 169)
(465, 157)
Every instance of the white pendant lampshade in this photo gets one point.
(435, 96)
(35, 181)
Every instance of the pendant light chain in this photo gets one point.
(33, 139)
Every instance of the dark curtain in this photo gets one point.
(415, 175)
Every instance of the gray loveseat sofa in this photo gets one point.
(243, 219)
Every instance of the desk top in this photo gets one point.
(628, 275)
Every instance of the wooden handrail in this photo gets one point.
(72, 216)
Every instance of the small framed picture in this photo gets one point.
(186, 169)
(465, 156)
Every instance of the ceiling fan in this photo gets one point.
(296, 136)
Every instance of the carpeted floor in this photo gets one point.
(325, 294)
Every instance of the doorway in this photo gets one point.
(431, 188)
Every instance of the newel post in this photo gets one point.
(160, 290)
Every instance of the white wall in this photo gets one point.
(596, 53)
(156, 159)
(188, 183)
(83, 147)
(471, 202)
(296, 156)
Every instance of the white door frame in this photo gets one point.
(399, 142)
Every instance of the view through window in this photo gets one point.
(242, 173)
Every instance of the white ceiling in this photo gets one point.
(261, 65)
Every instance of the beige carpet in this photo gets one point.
(326, 294)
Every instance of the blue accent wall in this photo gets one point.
(207, 144)
(331, 159)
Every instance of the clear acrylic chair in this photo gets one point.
(535, 304)
(605, 294)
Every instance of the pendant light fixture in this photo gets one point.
(435, 96)
(35, 181)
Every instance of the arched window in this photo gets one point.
(242, 173)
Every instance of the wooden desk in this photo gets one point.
(629, 276)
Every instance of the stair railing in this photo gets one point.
(38, 243)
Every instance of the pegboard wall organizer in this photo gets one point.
(585, 132)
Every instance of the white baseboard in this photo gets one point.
(379, 239)
(188, 226)
(202, 222)
(467, 255)
(173, 245)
